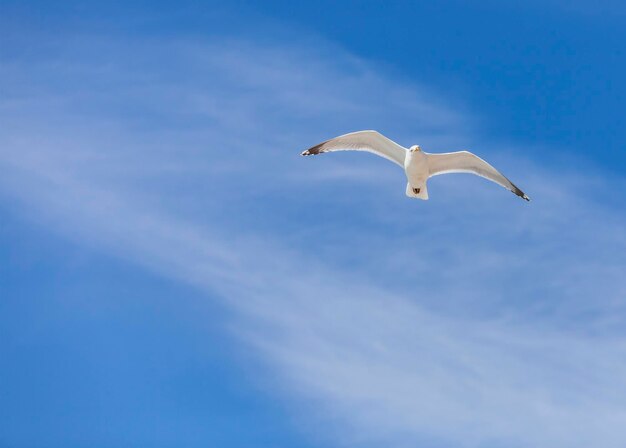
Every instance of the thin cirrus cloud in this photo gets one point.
(453, 322)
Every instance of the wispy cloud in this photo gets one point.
(452, 322)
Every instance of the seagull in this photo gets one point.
(418, 165)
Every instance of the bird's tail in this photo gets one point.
(423, 192)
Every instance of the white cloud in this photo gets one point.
(483, 323)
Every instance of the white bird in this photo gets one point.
(418, 165)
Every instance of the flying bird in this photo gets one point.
(418, 165)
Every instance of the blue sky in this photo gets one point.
(173, 273)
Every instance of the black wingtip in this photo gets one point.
(519, 192)
(317, 149)
(522, 195)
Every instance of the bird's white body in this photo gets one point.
(416, 170)
(418, 165)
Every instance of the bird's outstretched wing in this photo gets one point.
(370, 141)
(466, 162)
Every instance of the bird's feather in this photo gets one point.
(370, 141)
(466, 162)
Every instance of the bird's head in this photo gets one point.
(415, 148)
